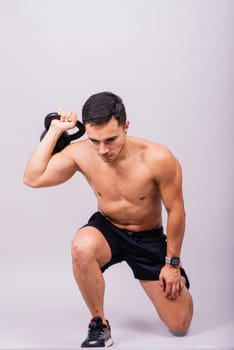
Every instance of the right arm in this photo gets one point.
(44, 169)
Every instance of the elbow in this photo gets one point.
(177, 212)
(29, 182)
(182, 214)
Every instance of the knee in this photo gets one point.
(179, 327)
(82, 253)
(180, 320)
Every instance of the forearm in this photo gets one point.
(39, 159)
(175, 231)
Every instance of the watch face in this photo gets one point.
(175, 261)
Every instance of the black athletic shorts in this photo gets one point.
(143, 251)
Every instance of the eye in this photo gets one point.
(96, 142)
(110, 140)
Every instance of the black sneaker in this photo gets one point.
(99, 334)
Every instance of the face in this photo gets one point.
(108, 139)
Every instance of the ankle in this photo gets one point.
(104, 321)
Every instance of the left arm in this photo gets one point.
(170, 187)
(172, 197)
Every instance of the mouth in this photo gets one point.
(106, 157)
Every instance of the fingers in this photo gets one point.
(162, 283)
(171, 281)
(181, 286)
(68, 119)
(173, 290)
(66, 115)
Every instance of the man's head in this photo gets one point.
(101, 107)
(104, 117)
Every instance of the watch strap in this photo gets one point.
(174, 261)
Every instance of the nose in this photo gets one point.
(102, 148)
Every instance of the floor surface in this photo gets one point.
(53, 316)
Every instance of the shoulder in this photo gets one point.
(77, 147)
(154, 152)
(78, 152)
(159, 159)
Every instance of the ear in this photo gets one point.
(126, 126)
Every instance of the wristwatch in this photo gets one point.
(174, 261)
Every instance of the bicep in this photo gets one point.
(170, 186)
(60, 168)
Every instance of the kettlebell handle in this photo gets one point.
(70, 137)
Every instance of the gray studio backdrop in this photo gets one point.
(172, 63)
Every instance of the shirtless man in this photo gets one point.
(131, 178)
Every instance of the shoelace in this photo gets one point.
(95, 332)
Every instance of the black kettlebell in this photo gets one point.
(66, 137)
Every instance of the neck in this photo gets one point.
(123, 155)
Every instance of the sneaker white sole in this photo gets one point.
(108, 343)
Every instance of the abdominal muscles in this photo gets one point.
(143, 213)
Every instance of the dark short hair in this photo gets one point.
(101, 107)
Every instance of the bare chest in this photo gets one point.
(133, 184)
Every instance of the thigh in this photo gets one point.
(170, 311)
(91, 242)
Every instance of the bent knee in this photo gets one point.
(89, 245)
(82, 251)
(81, 257)
(179, 327)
